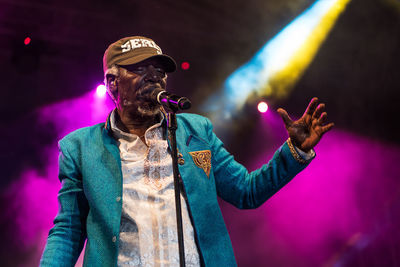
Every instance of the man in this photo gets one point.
(117, 180)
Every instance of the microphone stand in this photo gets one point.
(172, 126)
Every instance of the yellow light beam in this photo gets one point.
(277, 66)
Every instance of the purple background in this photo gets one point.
(343, 210)
(346, 201)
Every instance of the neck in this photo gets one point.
(135, 124)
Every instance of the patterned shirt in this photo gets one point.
(148, 235)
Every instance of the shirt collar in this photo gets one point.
(118, 133)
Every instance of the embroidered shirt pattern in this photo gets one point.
(148, 234)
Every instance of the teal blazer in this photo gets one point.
(90, 199)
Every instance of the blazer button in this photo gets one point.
(114, 239)
(181, 161)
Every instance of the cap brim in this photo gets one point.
(168, 62)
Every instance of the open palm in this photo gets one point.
(306, 132)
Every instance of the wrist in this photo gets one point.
(299, 154)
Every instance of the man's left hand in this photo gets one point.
(306, 132)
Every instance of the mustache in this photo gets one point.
(145, 91)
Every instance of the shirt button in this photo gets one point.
(181, 161)
(114, 239)
(118, 199)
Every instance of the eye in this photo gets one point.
(139, 69)
(136, 69)
(161, 71)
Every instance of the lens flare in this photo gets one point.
(185, 65)
(101, 90)
(262, 107)
(27, 40)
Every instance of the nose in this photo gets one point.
(152, 74)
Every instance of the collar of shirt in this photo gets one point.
(119, 134)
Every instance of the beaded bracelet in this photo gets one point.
(294, 152)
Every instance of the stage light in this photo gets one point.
(101, 90)
(283, 59)
(275, 68)
(27, 40)
(262, 107)
(185, 65)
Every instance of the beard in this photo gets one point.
(148, 111)
(139, 108)
(140, 105)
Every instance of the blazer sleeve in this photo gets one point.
(66, 239)
(247, 190)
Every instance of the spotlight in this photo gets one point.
(101, 90)
(27, 40)
(185, 65)
(262, 107)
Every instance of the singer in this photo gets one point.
(117, 180)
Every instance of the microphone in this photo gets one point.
(170, 101)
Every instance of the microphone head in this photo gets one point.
(170, 101)
(157, 95)
(184, 103)
(154, 95)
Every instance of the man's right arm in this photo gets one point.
(67, 237)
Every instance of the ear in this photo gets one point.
(112, 84)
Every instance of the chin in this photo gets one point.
(148, 111)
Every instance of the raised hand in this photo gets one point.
(306, 132)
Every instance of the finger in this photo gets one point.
(323, 118)
(327, 127)
(311, 106)
(285, 117)
(318, 111)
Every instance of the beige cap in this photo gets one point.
(132, 50)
